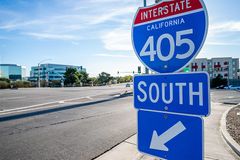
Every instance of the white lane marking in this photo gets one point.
(117, 95)
(29, 109)
(11, 98)
(88, 98)
(39, 105)
(61, 102)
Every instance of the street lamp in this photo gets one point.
(39, 63)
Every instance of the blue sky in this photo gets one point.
(96, 33)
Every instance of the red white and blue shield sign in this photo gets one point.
(167, 36)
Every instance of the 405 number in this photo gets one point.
(173, 44)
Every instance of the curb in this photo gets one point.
(227, 137)
(230, 103)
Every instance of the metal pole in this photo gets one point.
(39, 75)
(228, 75)
(144, 3)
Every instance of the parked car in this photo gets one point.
(232, 87)
(128, 85)
(220, 87)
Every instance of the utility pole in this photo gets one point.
(39, 84)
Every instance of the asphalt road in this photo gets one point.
(81, 133)
(225, 96)
(10, 99)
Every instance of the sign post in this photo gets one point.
(166, 37)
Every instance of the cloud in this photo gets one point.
(118, 40)
(224, 28)
(114, 55)
(18, 25)
(216, 43)
(108, 21)
(112, 15)
(52, 36)
(224, 34)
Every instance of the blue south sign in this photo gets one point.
(186, 93)
(167, 36)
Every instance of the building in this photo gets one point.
(24, 73)
(50, 72)
(12, 71)
(227, 67)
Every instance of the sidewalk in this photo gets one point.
(215, 147)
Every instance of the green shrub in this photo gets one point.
(4, 85)
(55, 83)
(26, 84)
(20, 84)
(5, 79)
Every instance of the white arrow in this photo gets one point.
(158, 142)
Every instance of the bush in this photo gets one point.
(55, 83)
(26, 84)
(5, 80)
(20, 84)
(4, 85)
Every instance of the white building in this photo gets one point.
(226, 66)
(50, 72)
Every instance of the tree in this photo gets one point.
(83, 77)
(71, 77)
(92, 81)
(5, 79)
(104, 78)
(125, 79)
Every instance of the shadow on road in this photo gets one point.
(60, 108)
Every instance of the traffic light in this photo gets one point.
(139, 70)
(146, 70)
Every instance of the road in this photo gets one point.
(225, 96)
(78, 133)
(10, 99)
(81, 133)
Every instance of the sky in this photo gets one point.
(96, 34)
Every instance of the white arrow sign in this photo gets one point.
(158, 142)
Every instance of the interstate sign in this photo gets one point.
(169, 35)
